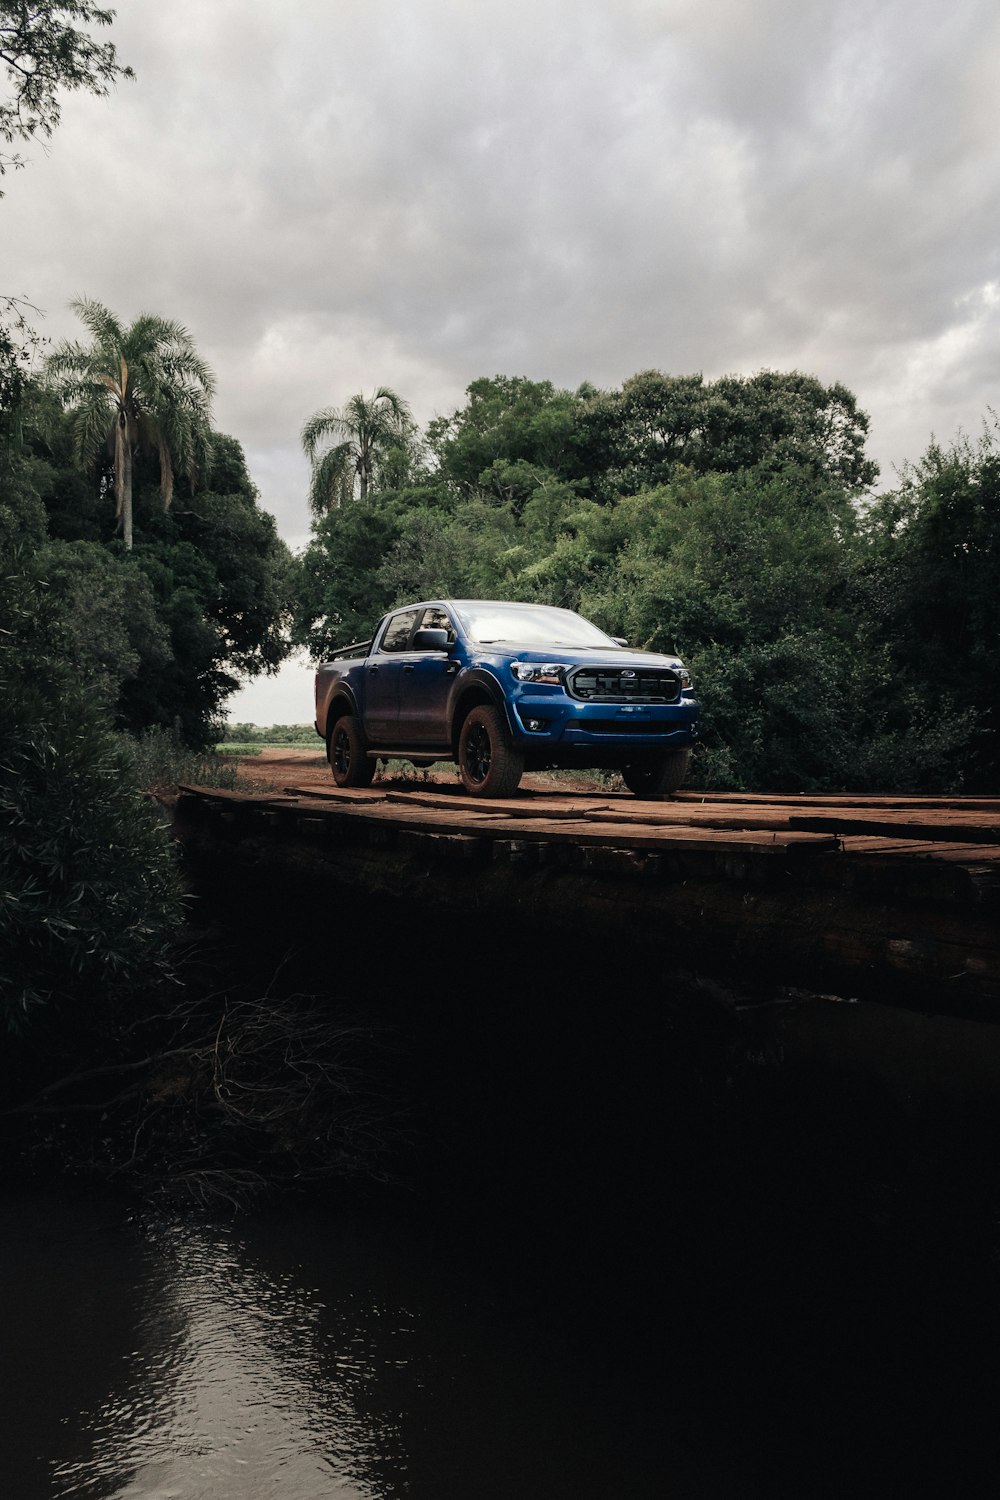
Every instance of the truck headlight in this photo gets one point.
(533, 671)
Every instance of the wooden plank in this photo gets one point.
(950, 830)
(488, 824)
(224, 794)
(754, 826)
(805, 800)
(763, 819)
(972, 854)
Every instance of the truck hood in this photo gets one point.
(575, 656)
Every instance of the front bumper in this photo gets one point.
(541, 721)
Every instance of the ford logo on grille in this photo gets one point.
(628, 672)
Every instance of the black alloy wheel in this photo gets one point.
(487, 762)
(349, 762)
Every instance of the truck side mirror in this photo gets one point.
(430, 640)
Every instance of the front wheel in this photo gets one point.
(659, 777)
(347, 753)
(487, 762)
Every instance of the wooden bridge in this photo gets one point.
(891, 898)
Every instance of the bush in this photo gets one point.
(88, 874)
(158, 759)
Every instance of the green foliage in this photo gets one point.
(640, 436)
(44, 49)
(507, 425)
(927, 590)
(158, 760)
(138, 388)
(339, 595)
(247, 598)
(89, 888)
(273, 734)
(718, 557)
(111, 633)
(22, 514)
(428, 558)
(357, 448)
(163, 633)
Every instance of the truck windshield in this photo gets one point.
(530, 625)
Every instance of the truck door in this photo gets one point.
(382, 678)
(425, 685)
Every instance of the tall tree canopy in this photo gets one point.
(141, 386)
(656, 423)
(507, 422)
(162, 634)
(350, 446)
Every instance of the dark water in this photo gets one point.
(302, 1354)
(790, 1321)
(628, 1254)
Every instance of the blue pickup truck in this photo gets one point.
(502, 688)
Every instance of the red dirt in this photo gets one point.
(307, 768)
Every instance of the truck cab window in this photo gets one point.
(397, 632)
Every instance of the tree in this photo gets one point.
(140, 387)
(219, 577)
(508, 424)
(339, 594)
(163, 634)
(928, 603)
(89, 877)
(639, 436)
(107, 616)
(43, 49)
(745, 574)
(349, 447)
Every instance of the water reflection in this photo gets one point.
(304, 1357)
(237, 1385)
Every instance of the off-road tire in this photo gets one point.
(487, 762)
(350, 763)
(660, 777)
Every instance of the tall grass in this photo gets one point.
(158, 761)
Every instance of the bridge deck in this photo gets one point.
(863, 892)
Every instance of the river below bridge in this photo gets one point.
(302, 1355)
(627, 1251)
(820, 1323)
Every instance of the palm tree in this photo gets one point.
(359, 437)
(141, 387)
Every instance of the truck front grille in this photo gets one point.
(624, 685)
(624, 726)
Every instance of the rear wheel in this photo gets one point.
(660, 777)
(487, 762)
(347, 753)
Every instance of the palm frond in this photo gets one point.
(99, 321)
(325, 424)
(369, 426)
(332, 474)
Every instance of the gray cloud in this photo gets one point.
(333, 196)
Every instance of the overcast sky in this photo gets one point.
(333, 195)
